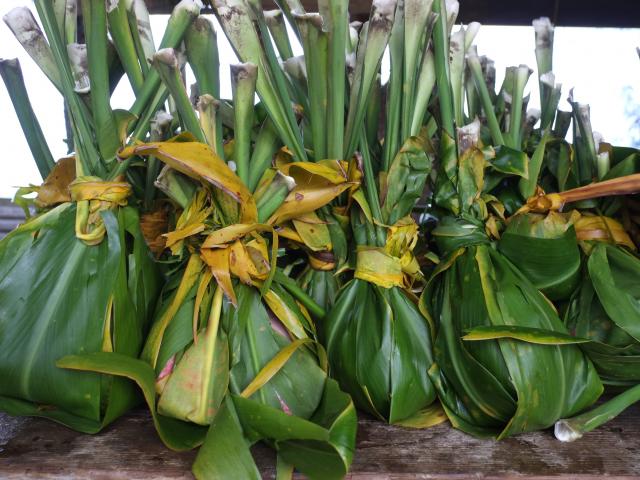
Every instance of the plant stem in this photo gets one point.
(573, 428)
(443, 75)
(292, 287)
(166, 64)
(243, 83)
(12, 75)
(476, 70)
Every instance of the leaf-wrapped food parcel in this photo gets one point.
(501, 386)
(60, 296)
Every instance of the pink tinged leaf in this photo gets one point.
(285, 407)
(168, 368)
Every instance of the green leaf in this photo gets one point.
(405, 180)
(378, 348)
(524, 334)
(504, 386)
(175, 434)
(225, 452)
(615, 274)
(545, 249)
(511, 162)
(54, 295)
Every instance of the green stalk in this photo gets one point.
(255, 47)
(140, 26)
(118, 17)
(583, 140)
(66, 13)
(295, 69)
(476, 70)
(443, 74)
(521, 76)
(292, 287)
(335, 15)
(551, 99)
(24, 26)
(372, 115)
(243, 83)
(88, 157)
(160, 130)
(60, 10)
(156, 103)
(457, 67)
(394, 89)
(202, 52)
(94, 14)
(373, 41)
(71, 21)
(371, 190)
(183, 14)
(572, 429)
(315, 44)
(544, 59)
(273, 196)
(278, 30)
(416, 35)
(288, 7)
(282, 86)
(266, 145)
(562, 124)
(12, 75)
(210, 121)
(426, 82)
(165, 63)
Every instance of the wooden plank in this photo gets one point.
(129, 449)
(10, 216)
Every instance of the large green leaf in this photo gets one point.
(175, 434)
(405, 180)
(615, 274)
(503, 386)
(378, 346)
(604, 309)
(54, 296)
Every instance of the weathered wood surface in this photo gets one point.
(10, 216)
(129, 449)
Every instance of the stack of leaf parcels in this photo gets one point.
(426, 246)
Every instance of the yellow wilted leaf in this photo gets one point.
(205, 279)
(218, 262)
(288, 318)
(313, 232)
(603, 229)
(316, 185)
(273, 366)
(198, 161)
(55, 188)
(225, 235)
(377, 266)
(428, 417)
(154, 340)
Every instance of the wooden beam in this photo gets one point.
(574, 13)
